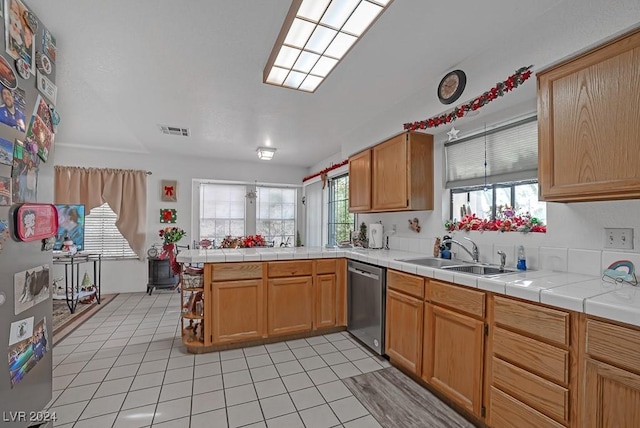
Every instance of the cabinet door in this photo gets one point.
(403, 330)
(453, 356)
(588, 111)
(325, 301)
(237, 311)
(390, 185)
(289, 305)
(612, 396)
(360, 182)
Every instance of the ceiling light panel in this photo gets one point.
(361, 18)
(299, 33)
(315, 37)
(338, 12)
(313, 9)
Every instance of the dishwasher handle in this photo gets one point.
(363, 273)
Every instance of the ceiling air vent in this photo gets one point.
(174, 130)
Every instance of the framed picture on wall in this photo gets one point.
(169, 191)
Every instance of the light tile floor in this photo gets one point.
(127, 367)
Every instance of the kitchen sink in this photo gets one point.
(430, 262)
(482, 270)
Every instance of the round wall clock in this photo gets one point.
(451, 86)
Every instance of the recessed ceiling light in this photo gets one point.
(265, 153)
(315, 36)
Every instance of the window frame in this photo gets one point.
(331, 215)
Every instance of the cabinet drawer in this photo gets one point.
(409, 284)
(293, 268)
(459, 298)
(507, 412)
(546, 323)
(233, 271)
(613, 343)
(535, 356)
(539, 393)
(325, 266)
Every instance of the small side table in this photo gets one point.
(72, 279)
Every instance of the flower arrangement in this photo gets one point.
(243, 241)
(508, 222)
(171, 235)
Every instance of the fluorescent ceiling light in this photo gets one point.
(266, 153)
(315, 36)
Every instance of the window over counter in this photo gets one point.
(494, 174)
(102, 236)
(341, 222)
(239, 210)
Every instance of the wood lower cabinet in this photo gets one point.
(403, 330)
(588, 126)
(611, 370)
(325, 299)
(290, 305)
(612, 396)
(453, 356)
(237, 310)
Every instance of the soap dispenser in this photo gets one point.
(522, 260)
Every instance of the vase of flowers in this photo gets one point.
(171, 235)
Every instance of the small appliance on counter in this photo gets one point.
(376, 235)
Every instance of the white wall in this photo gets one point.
(131, 275)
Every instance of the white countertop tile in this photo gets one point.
(529, 284)
(465, 279)
(495, 285)
(621, 303)
(572, 296)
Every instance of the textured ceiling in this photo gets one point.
(125, 66)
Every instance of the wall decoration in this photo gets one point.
(31, 20)
(6, 151)
(168, 215)
(12, 111)
(326, 170)
(7, 76)
(46, 87)
(169, 191)
(23, 69)
(40, 130)
(23, 355)
(501, 88)
(24, 174)
(414, 224)
(34, 222)
(5, 190)
(21, 330)
(30, 288)
(19, 37)
(49, 45)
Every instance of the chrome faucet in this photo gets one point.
(475, 253)
(503, 260)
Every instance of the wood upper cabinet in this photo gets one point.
(403, 173)
(325, 300)
(290, 305)
(453, 356)
(237, 310)
(396, 175)
(403, 330)
(588, 111)
(360, 182)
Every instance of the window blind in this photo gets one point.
(222, 210)
(102, 236)
(511, 152)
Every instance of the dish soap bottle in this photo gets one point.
(522, 261)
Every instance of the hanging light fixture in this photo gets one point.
(266, 153)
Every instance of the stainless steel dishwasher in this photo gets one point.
(366, 291)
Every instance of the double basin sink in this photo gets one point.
(460, 266)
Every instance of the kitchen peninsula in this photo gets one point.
(532, 346)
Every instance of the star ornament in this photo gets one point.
(453, 134)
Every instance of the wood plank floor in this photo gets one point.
(396, 401)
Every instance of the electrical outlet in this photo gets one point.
(618, 238)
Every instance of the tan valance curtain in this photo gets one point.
(124, 190)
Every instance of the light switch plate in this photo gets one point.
(618, 238)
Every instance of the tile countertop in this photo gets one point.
(572, 291)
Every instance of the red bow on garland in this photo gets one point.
(499, 90)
